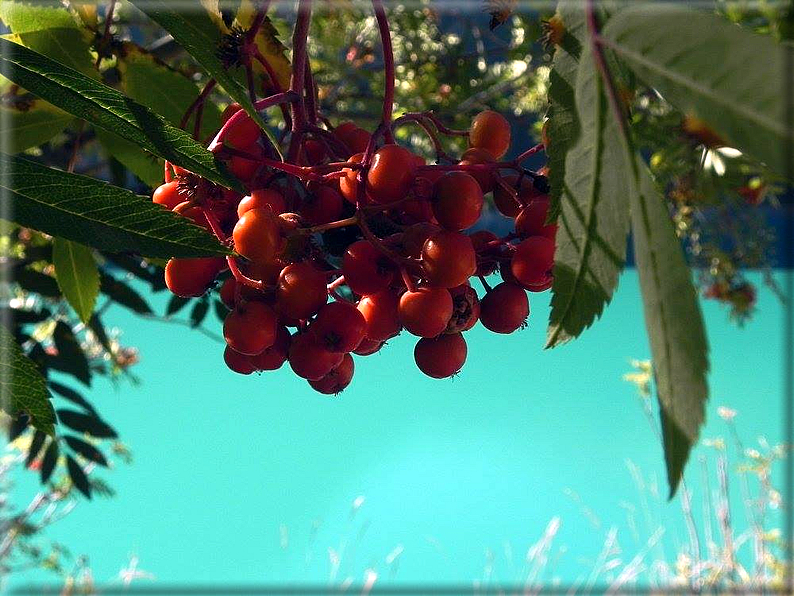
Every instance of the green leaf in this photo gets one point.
(66, 46)
(78, 477)
(594, 218)
(49, 461)
(22, 387)
(107, 108)
(70, 359)
(30, 122)
(35, 281)
(21, 17)
(200, 37)
(35, 446)
(120, 292)
(149, 168)
(674, 321)
(175, 304)
(199, 311)
(89, 211)
(728, 77)
(77, 275)
(563, 121)
(87, 450)
(71, 395)
(86, 423)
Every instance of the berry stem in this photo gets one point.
(484, 283)
(257, 55)
(240, 278)
(256, 24)
(300, 36)
(407, 280)
(106, 33)
(531, 151)
(388, 67)
(198, 101)
(451, 132)
(311, 95)
(349, 221)
(421, 121)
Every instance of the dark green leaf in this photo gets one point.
(140, 268)
(49, 461)
(106, 108)
(35, 446)
(23, 387)
(86, 210)
(70, 359)
(198, 312)
(98, 329)
(77, 275)
(120, 292)
(221, 311)
(594, 219)
(79, 479)
(200, 37)
(728, 77)
(17, 426)
(24, 317)
(675, 326)
(149, 168)
(86, 423)
(175, 304)
(87, 450)
(21, 17)
(30, 123)
(71, 395)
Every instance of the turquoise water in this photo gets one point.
(246, 479)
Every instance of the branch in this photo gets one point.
(388, 64)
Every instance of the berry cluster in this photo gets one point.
(353, 216)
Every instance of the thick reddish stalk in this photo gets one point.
(297, 82)
(531, 151)
(388, 68)
(198, 101)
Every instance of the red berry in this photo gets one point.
(457, 201)
(348, 184)
(465, 309)
(243, 167)
(531, 220)
(420, 210)
(242, 134)
(309, 359)
(391, 174)
(366, 269)
(368, 346)
(483, 177)
(230, 111)
(339, 326)
(321, 206)
(505, 202)
(301, 291)
(314, 151)
(194, 212)
(533, 261)
(441, 356)
(262, 198)
(167, 194)
(358, 140)
(239, 363)
(505, 308)
(486, 261)
(227, 292)
(250, 328)
(335, 381)
(415, 236)
(273, 357)
(426, 311)
(448, 259)
(490, 131)
(380, 313)
(192, 277)
(257, 235)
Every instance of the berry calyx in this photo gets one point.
(465, 309)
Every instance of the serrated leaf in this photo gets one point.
(49, 461)
(196, 32)
(563, 121)
(86, 423)
(107, 217)
(66, 46)
(674, 321)
(106, 108)
(35, 446)
(120, 292)
(98, 329)
(23, 317)
(728, 77)
(78, 477)
(87, 450)
(144, 269)
(17, 427)
(77, 275)
(70, 358)
(71, 395)
(221, 310)
(175, 304)
(22, 388)
(35, 281)
(594, 218)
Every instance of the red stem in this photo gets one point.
(197, 102)
(531, 151)
(299, 38)
(262, 104)
(388, 64)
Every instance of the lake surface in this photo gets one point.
(260, 480)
